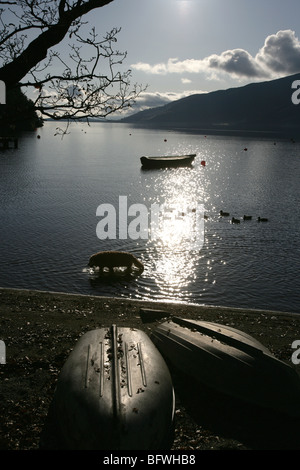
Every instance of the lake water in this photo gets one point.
(50, 190)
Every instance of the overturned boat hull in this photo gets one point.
(167, 161)
(231, 362)
(114, 392)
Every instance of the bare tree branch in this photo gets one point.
(36, 51)
(88, 85)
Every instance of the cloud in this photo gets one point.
(236, 62)
(280, 55)
(153, 100)
(172, 66)
(149, 100)
(158, 69)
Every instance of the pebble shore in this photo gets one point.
(40, 329)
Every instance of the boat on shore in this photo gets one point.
(114, 392)
(231, 362)
(167, 161)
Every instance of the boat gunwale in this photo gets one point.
(169, 157)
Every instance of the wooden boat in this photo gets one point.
(114, 392)
(231, 362)
(167, 161)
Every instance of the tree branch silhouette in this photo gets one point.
(86, 82)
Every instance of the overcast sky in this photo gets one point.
(179, 47)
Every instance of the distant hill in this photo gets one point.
(264, 107)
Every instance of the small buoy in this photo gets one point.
(165, 140)
(38, 136)
(203, 163)
(245, 149)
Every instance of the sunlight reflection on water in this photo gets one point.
(179, 234)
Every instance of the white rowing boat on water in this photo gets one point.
(167, 161)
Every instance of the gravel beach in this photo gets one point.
(40, 329)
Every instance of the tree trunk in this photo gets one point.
(37, 50)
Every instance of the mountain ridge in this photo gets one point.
(262, 107)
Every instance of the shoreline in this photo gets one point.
(40, 329)
(161, 303)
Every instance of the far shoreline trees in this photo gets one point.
(18, 114)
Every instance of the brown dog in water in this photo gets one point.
(115, 259)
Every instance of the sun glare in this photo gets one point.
(184, 6)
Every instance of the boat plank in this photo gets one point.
(231, 362)
(114, 392)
